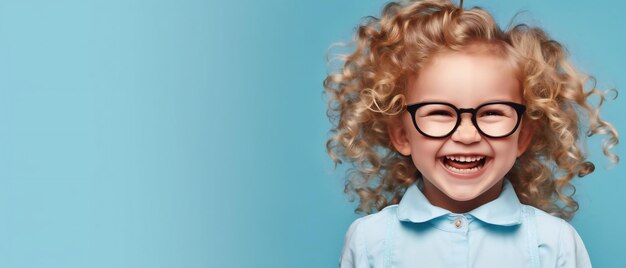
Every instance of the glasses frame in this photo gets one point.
(519, 108)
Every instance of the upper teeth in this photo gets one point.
(465, 158)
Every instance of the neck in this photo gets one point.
(440, 199)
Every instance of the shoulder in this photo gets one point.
(552, 229)
(548, 225)
(364, 237)
(561, 238)
(373, 226)
(376, 219)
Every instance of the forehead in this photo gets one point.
(465, 79)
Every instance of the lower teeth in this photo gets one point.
(463, 171)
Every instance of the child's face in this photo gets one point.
(466, 81)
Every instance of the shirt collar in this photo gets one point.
(505, 210)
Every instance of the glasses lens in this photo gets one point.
(435, 119)
(496, 119)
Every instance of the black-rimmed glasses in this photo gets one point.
(440, 119)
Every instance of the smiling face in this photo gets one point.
(465, 169)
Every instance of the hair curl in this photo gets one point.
(368, 90)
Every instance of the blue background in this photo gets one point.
(192, 133)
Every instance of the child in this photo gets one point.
(463, 139)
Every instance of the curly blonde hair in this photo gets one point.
(367, 91)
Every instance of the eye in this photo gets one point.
(492, 113)
(440, 113)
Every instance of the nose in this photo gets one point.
(466, 132)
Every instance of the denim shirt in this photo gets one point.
(501, 233)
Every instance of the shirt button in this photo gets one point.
(458, 222)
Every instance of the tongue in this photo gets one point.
(462, 165)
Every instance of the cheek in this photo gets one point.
(506, 152)
(424, 151)
(423, 144)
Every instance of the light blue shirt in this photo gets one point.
(501, 233)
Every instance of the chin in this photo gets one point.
(462, 197)
(465, 192)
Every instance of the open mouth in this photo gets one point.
(464, 164)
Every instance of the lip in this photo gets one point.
(467, 176)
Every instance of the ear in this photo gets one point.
(398, 136)
(525, 136)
